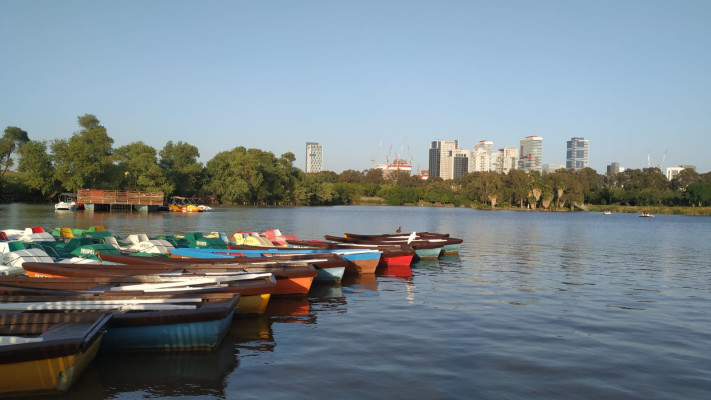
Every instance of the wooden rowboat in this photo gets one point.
(359, 261)
(424, 249)
(255, 290)
(449, 244)
(329, 267)
(47, 352)
(176, 324)
(291, 279)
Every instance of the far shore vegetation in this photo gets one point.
(38, 171)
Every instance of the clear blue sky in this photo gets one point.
(632, 76)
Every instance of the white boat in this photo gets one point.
(140, 243)
(67, 202)
(607, 212)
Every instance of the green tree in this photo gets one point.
(517, 181)
(37, 166)
(351, 176)
(140, 168)
(252, 176)
(227, 175)
(11, 140)
(698, 193)
(84, 160)
(179, 162)
(686, 177)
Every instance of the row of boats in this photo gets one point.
(80, 292)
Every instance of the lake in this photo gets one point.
(536, 306)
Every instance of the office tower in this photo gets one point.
(460, 163)
(441, 162)
(487, 147)
(314, 157)
(576, 156)
(531, 154)
(506, 160)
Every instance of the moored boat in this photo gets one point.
(291, 279)
(176, 324)
(424, 249)
(47, 352)
(449, 244)
(391, 255)
(359, 261)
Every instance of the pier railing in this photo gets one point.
(96, 196)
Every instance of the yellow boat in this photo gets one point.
(46, 352)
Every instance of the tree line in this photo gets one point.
(255, 177)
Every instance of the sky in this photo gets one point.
(367, 79)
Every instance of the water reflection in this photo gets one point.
(157, 374)
(327, 298)
(398, 271)
(361, 282)
(288, 309)
(251, 335)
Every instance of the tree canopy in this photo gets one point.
(244, 176)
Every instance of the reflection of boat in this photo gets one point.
(47, 352)
(253, 334)
(291, 309)
(367, 282)
(400, 271)
(68, 202)
(164, 374)
(327, 298)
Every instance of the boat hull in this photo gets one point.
(197, 335)
(255, 304)
(55, 374)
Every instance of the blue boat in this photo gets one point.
(190, 322)
(200, 327)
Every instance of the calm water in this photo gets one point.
(536, 306)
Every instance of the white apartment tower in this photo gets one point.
(482, 156)
(506, 160)
(314, 157)
(480, 160)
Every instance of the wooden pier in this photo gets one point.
(115, 200)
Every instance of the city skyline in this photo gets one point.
(367, 79)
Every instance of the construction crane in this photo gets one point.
(373, 158)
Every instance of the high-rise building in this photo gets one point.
(314, 157)
(576, 156)
(506, 160)
(441, 162)
(460, 163)
(531, 154)
(480, 160)
(483, 146)
(614, 168)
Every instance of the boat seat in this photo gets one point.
(66, 233)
